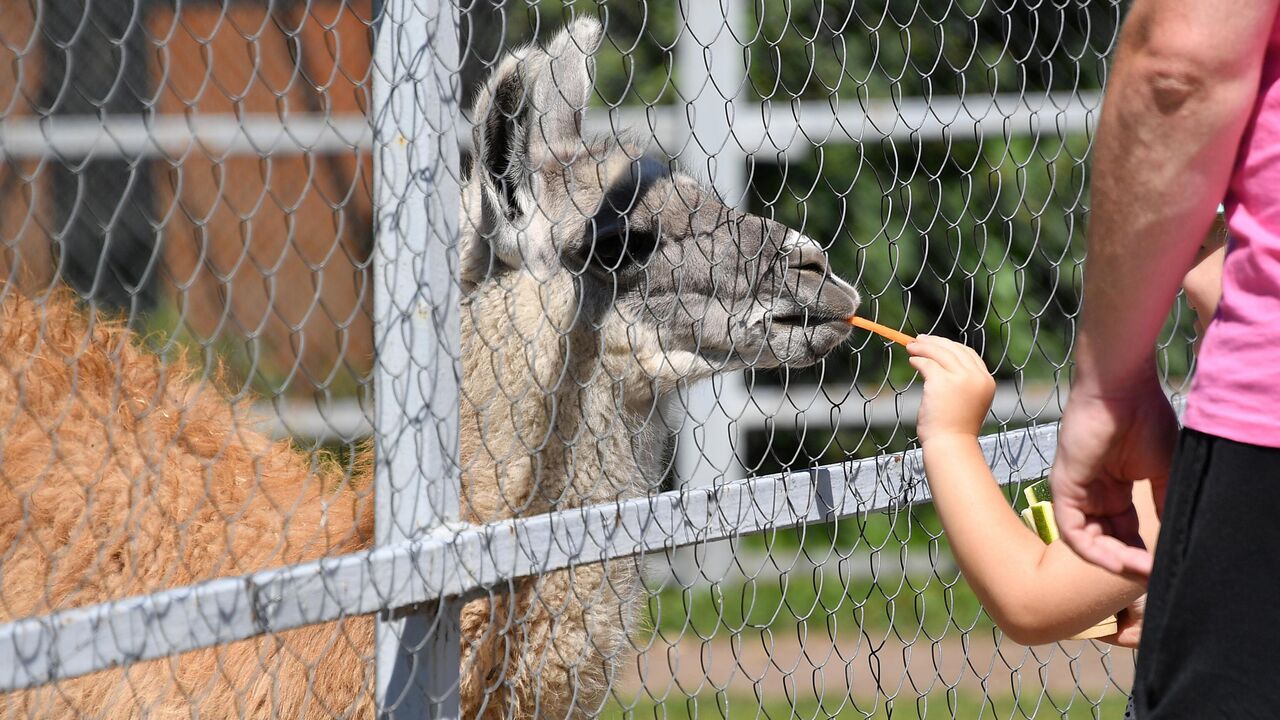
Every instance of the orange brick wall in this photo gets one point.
(274, 248)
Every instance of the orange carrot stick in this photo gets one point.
(886, 332)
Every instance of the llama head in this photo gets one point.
(666, 274)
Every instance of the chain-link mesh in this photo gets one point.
(614, 291)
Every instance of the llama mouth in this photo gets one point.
(806, 319)
(802, 345)
(800, 339)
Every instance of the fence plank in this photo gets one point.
(712, 76)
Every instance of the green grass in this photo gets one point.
(861, 585)
(906, 605)
(937, 705)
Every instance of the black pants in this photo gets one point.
(1211, 636)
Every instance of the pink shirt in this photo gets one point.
(1235, 393)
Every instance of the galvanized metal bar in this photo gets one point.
(447, 562)
(176, 136)
(766, 132)
(781, 408)
(416, 116)
(713, 74)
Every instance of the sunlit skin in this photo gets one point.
(1036, 593)
(1179, 96)
(1203, 283)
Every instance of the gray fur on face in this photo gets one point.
(694, 286)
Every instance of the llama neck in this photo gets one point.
(551, 417)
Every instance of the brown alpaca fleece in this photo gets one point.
(120, 475)
(123, 474)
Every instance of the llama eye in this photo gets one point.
(625, 247)
(615, 247)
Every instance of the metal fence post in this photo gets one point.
(712, 74)
(415, 119)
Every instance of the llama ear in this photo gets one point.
(530, 112)
(502, 116)
(562, 89)
(527, 116)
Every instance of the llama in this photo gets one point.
(595, 279)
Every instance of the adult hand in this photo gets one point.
(1105, 443)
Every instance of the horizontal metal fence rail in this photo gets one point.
(793, 406)
(138, 136)
(764, 131)
(457, 560)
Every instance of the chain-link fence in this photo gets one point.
(323, 397)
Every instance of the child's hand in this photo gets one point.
(957, 388)
(1129, 624)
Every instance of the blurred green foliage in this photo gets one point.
(977, 241)
(824, 49)
(855, 48)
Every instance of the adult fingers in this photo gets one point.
(1110, 543)
(1134, 562)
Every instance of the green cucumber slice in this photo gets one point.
(1038, 492)
(1045, 527)
(1028, 520)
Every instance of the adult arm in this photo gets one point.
(1182, 88)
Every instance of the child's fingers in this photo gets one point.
(924, 365)
(975, 360)
(931, 347)
(965, 358)
(952, 355)
(942, 351)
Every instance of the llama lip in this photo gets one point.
(806, 319)
(804, 339)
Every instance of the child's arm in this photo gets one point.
(1036, 593)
